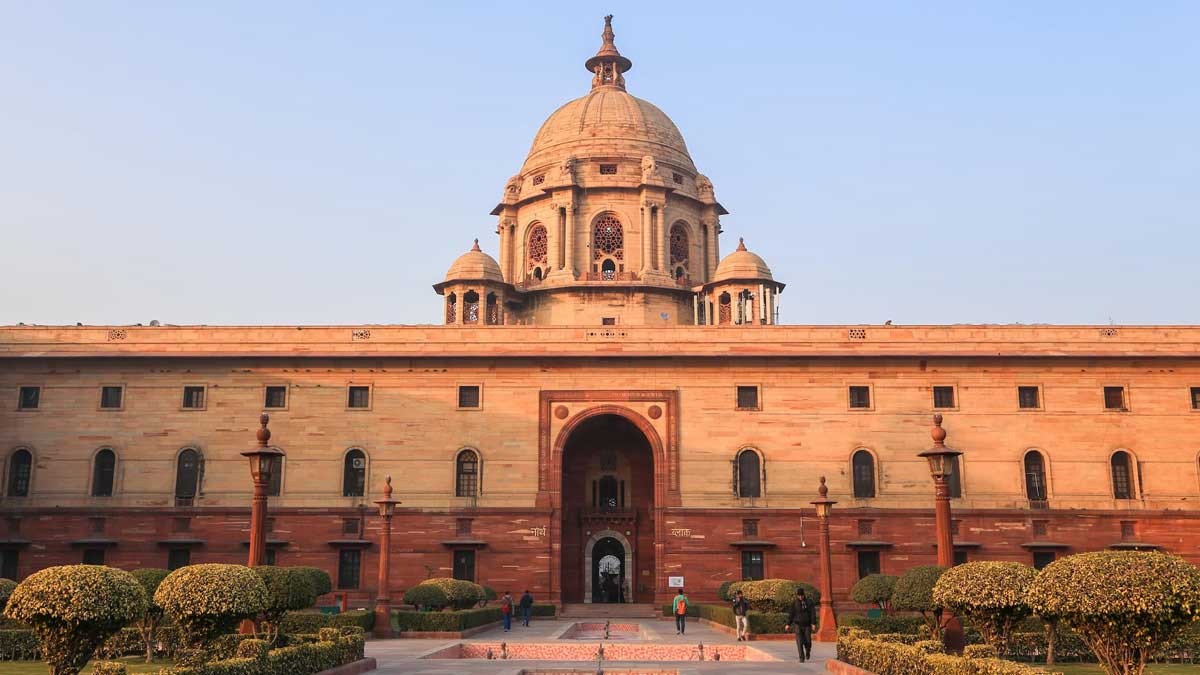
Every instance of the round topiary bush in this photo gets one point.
(723, 591)
(774, 595)
(874, 589)
(209, 600)
(288, 589)
(74, 609)
(148, 623)
(426, 596)
(1123, 604)
(489, 595)
(321, 581)
(990, 594)
(7, 586)
(913, 592)
(459, 594)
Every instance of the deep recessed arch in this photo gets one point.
(189, 469)
(104, 471)
(749, 472)
(656, 446)
(355, 462)
(863, 473)
(19, 466)
(1037, 487)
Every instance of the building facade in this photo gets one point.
(611, 403)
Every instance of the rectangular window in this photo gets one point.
(1128, 530)
(1040, 528)
(359, 397)
(271, 556)
(93, 556)
(866, 527)
(1028, 398)
(749, 528)
(179, 557)
(349, 566)
(193, 398)
(747, 397)
(960, 556)
(860, 397)
(1114, 398)
(752, 566)
(29, 397)
(276, 397)
(1195, 398)
(954, 526)
(111, 397)
(943, 397)
(8, 563)
(468, 396)
(182, 525)
(350, 526)
(1043, 558)
(608, 169)
(678, 178)
(608, 321)
(868, 563)
(464, 565)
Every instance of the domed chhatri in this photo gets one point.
(609, 221)
(474, 290)
(742, 264)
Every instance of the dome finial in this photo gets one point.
(476, 246)
(608, 64)
(741, 244)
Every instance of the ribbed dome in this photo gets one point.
(742, 264)
(608, 122)
(475, 265)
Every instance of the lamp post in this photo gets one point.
(941, 466)
(261, 460)
(383, 597)
(827, 631)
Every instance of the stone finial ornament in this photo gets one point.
(264, 434)
(824, 489)
(608, 65)
(938, 433)
(475, 246)
(741, 244)
(387, 487)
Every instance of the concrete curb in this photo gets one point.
(355, 668)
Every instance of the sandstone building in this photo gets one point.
(609, 404)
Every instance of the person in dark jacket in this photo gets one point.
(802, 617)
(526, 604)
(740, 607)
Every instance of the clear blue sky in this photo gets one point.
(229, 162)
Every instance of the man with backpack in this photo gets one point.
(679, 607)
(526, 607)
(506, 610)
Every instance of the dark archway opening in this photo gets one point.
(607, 486)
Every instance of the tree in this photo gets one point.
(426, 596)
(874, 589)
(321, 581)
(209, 600)
(913, 592)
(990, 594)
(150, 620)
(1122, 604)
(73, 609)
(288, 589)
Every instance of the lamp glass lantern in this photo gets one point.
(941, 461)
(262, 461)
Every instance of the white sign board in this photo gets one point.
(675, 582)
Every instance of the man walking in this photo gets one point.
(679, 607)
(801, 616)
(740, 607)
(526, 607)
(506, 610)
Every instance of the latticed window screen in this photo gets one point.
(750, 528)
(467, 480)
(608, 238)
(1035, 477)
(679, 245)
(452, 309)
(1121, 476)
(471, 307)
(538, 247)
(864, 475)
(493, 310)
(724, 309)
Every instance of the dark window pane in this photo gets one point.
(468, 397)
(608, 321)
(466, 482)
(954, 481)
(1027, 397)
(860, 397)
(8, 563)
(1042, 558)
(747, 398)
(749, 472)
(943, 397)
(93, 556)
(29, 398)
(752, 565)
(193, 397)
(354, 476)
(179, 557)
(1195, 398)
(276, 397)
(276, 482)
(1114, 398)
(110, 397)
(350, 526)
(961, 556)
(349, 566)
(1128, 529)
(187, 477)
(102, 473)
(464, 565)
(1035, 477)
(868, 563)
(864, 475)
(20, 469)
(1121, 476)
(272, 556)
(749, 528)
(359, 397)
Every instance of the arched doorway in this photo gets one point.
(608, 511)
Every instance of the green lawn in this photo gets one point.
(134, 664)
(1152, 669)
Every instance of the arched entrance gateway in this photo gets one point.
(607, 512)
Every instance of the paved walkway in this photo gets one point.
(403, 656)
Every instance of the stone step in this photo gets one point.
(607, 610)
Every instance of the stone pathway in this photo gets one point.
(397, 657)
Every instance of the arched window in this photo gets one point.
(748, 474)
(187, 477)
(275, 486)
(470, 307)
(954, 482)
(492, 318)
(103, 470)
(1122, 475)
(680, 249)
(451, 309)
(864, 475)
(537, 248)
(20, 471)
(608, 246)
(354, 474)
(608, 270)
(1035, 476)
(466, 474)
(725, 309)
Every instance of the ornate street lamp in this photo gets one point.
(383, 597)
(827, 631)
(942, 461)
(262, 459)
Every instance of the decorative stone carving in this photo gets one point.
(649, 169)
(512, 189)
(566, 170)
(704, 187)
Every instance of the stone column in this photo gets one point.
(461, 294)
(646, 238)
(569, 229)
(661, 240)
(713, 253)
(502, 230)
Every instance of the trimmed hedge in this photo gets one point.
(301, 659)
(311, 622)
(774, 595)
(909, 625)
(108, 668)
(857, 648)
(459, 594)
(456, 621)
(210, 599)
(19, 645)
(7, 586)
(723, 592)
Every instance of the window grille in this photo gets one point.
(539, 179)
(470, 307)
(276, 397)
(1027, 398)
(354, 474)
(349, 568)
(1114, 398)
(749, 528)
(1122, 478)
(358, 397)
(857, 334)
(187, 477)
(943, 397)
(747, 397)
(866, 528)
(29, 398)
(538, 247)
(608, 238)
(752, 565)
(20, 469)
(864, 475)
(680, 251)
(1035, 477)
(110, 397)
(608, 169)
(467, 474)
(193, 397)
(748, 479)
(452, 309)
(860, 397)
(468, 396)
